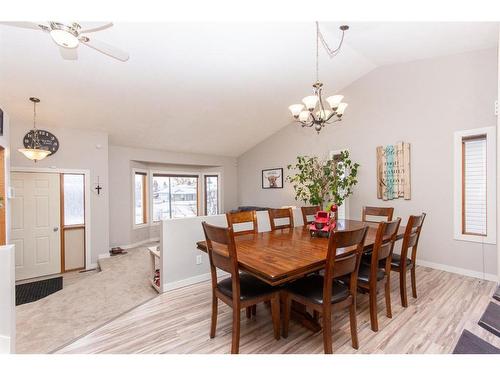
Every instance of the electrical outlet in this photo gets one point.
(198, 259)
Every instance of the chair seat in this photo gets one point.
(364, 273)
(311, 287)
(250, 287)
(396, 261)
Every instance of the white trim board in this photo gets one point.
(192, 280)
(457, 270)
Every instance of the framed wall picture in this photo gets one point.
(272, 178)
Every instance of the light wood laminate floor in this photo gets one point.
(179, 321)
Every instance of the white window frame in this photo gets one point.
(344, 208)
(219, 191)
(148, 216)
(490, 133)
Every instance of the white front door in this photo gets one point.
(35, 224)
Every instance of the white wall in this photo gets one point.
(79, 149)
(7, 299)
(421, 102)
(121, 162)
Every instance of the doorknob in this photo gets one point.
(56, 229)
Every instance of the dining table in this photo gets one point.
(280, 256)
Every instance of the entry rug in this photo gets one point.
(491, 319)
(468, 343)
(31, 292)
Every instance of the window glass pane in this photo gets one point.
(211, 195)
(74, 211)
(474, 194)
(161, 198)
(184, 196)
(140, 181)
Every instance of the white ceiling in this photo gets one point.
(214, 88)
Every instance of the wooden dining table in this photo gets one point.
(283, 255)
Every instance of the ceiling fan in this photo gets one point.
(69, 36)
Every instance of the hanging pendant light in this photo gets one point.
(35, 152)
(315, 112)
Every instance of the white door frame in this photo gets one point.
(88, 192)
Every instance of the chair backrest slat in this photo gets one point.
(352, 242)
(385, 213)
(243, 217)
(411, 237)
(280, 213)
(221, 251)
(309, 211)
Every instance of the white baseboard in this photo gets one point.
(457, 270)
(137, 244)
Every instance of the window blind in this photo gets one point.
(474, 186)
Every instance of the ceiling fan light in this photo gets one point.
(34, 154)
(341, 108)
(334, 100)
(64, 38)
(296, 109)
(310, 102)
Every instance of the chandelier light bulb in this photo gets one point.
(296, 109)
(341, 108)
(304, 116)
(310, 102)
(324, 114)
(334, 100)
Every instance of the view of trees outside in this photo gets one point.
(139, 186)
(174, 197)
(211, 194)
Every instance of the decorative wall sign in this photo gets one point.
(393, 171)
(272, 178)
(48, 141)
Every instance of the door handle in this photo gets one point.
(55, 229)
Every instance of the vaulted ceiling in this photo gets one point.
(214, 88)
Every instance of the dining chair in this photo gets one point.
(280, 213)
(243, 217)
(401, 263)
(377, 267)
(385, 213)
(309, 211)
(238, 291)
(322, 293)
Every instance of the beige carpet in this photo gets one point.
(123, 283)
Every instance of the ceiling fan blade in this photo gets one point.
(92, 29)
(105, 48)
(69, 53)
(27, 25)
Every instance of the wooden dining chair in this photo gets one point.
(243, 217)
(309, 211)
(238, 291)
(401, 263)
(280, 213)
(377, 268)
(385, 213)
(323, 293)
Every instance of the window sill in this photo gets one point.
(140, 226)
(472, 238)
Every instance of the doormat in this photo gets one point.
(469, 343)
(31, 292)
(490, 320)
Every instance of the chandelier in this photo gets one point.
(315, 112)
(35, 152)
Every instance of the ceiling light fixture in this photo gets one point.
(64, 38)
(314, 111)
(35, 152)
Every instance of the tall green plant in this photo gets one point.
(317, 182)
